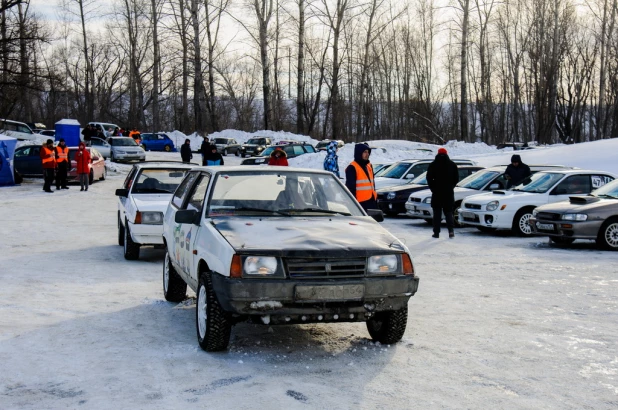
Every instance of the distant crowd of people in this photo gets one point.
(57, 165)
(92, 131)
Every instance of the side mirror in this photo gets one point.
(409, 176)
(376, 214)
(494, 186)
(187, 216)
(122, 192)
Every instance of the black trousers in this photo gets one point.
(437, 217)
(61, 175)
(48, 177)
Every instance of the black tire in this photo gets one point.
(520, 222)
(237, 153)
(91, 177)
(608, 235)
(174, 288)
(388, 327)
(120, 232)
(104, 174)
(225, 152)
(216, 327)
(242, 155)
(167, 148)
(131, 249)
(558, 240)
(485, 229)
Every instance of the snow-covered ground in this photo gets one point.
(498, 321)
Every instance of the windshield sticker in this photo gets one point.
(599, 180)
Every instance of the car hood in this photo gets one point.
(503, 196)
(590, 205)
(382, 182)
(151, 202)
(308, 237)
(405, 187)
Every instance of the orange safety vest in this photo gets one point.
(62, 154)
(364, 187)
(48, 156)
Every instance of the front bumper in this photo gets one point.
(566, 229)
(485, 219)
(419, 210)
(130, 156)
(280, 299)
(392, 206)
(146, 234)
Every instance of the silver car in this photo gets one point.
(227, 146)
(594, 216)
(125, 149)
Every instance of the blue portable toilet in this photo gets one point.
(7, 149)
(69, 130)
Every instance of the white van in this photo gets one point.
(105, 126)
(19, 130)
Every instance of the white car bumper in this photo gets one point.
(146, 234)
(496, 219)
(129, 156)
(419, 210)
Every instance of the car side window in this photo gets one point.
(288, 150)
(196, 200)
(500, 180)
(417, 169)
(599, 180)
(23, 152)
(36, 151)
(575, 184)
(309, 148)
(160, 137)
(183, 189)
(298, 150)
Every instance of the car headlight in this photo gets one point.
(391, 195)
(427, 200)
(574, 217)
(260, 266)
(149, 218)
(492, 206)
(534, 212)
(383, 264)
(257, 161)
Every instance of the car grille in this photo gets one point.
(311, 268)
(381, 196)
(548, 216)
(473, 206)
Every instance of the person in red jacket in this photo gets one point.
(48, 158)
(82, 157)
(278, 157)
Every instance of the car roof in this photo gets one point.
(219, 169)
(163, 164)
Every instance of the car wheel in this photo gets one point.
(225, 152)
(388, 327)
(456, 222)
(174, 288)
(167, 148)
(608, 235)
(242, 155)
(91, 177)
(131, 249)
(120, 232)
(521, 227)
(237, 153)
(485, 229)
(212, 323)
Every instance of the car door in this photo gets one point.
(21, 160)
(195, 202)
(33, 162)
(175, 237)
(122, 200)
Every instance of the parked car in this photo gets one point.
(143, 200)
(19, 130)
(325, 259)
(104, 127)
(402, 172)
(226, 145)
(27, 162)
(419, 203)
(255, 146)
(291, 150)
(125, 149)
(157, 142)
(379, 168)
(322, 145)
(392, 200)
(594, 217)
(102, 146)
(513, 209)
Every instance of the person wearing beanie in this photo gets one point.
(516, 172)
(359, 178)
(63, 165)
(185, 151)
(442, 176)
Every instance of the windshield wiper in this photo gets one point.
(316, 210)
(250, 209)
(607, 196)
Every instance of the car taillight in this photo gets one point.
(236, 267)
(408, 268)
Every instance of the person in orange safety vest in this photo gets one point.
(63, 165)
(48, 158)
(359, 178)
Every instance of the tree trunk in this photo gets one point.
(155, 68)
(465, 4)
(300, 85)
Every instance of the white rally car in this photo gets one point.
(143, 200)
(279, 245)
(513, 209)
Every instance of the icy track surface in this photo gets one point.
(498, 322)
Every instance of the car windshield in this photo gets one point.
(397, 170)
(539, 183)
(280, 193)
(123, 142)
(255, 141)
(478, 180)
(267, 152)
(158, 181)
(607, 191)
(221, 141)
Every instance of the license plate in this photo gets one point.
(545, 227)
(330, 292)
(468, 215)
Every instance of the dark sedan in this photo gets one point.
(392, 200)
(594, 217)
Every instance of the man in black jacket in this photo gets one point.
(185, 151)
(516, 172)
(205, 150)
(442, 176)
